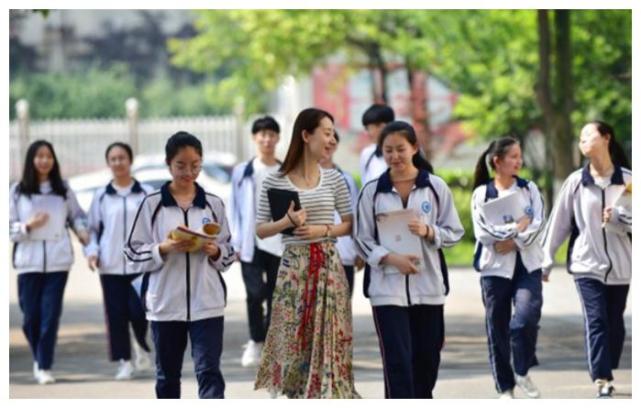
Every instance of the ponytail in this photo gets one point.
(481, 173)
(498, 148)
(420, 162)
(617, 154)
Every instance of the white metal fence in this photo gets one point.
(80, 144)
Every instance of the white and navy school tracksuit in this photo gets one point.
(371, 163)
(183, 293)
(510, 279)
(600, 260)
(408, 309)
(43, 267)
(111, 215)
(345, 244)
(254, 261)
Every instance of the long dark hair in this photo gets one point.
(29, 183)
(308, 120)
(498, 148)
(617, 155)
(407, 131)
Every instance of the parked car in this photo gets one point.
(215, 176)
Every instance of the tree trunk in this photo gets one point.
(542, 88)
(565, 144)
(379, 74)
(556, 103)
(420, 115)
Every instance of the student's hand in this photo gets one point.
(174, 245)
(93, 262)
(296, 218)
(607, 215)
(523, 223)
(38, 220)
(504, 247)
(83, 236)
(310, 231)
(545, 278)
(359, 263)
(211, 249)
(237, 256)
(406, 264)
(417, 227)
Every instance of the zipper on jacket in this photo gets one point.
(124, 233)
(605, 241)
(407, 277)
(188, 277)
(44, 256)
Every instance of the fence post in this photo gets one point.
(22, 112)
(131, 105)
(239, 113)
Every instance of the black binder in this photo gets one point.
(279, 201)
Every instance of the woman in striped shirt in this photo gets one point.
(308, 349)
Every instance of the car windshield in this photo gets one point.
(218, 172)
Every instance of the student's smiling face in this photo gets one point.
(43, 161)
(510, 164)
(398, 152)
(185, 166)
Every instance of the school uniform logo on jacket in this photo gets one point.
(426, 206)
(206, 221)
(529, 211)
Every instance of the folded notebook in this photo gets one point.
(279, 201)
(208, 232)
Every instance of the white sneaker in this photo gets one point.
(528, 387)
(251, 355)
(143, 358)
(35, 370)
(125, 370)
(273, 394)
(604, 388)
(509, 394)
(45, 377)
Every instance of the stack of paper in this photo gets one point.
(55, 207)
(395, 235)
(504, 210)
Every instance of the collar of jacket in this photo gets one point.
(136, 188)
(385, 184)
(168, 200)
(492, 192)
(587, 179)
(249, 169)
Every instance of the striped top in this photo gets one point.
(330, 194)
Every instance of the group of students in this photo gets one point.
(302, 340)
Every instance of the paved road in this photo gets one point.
(83, 371)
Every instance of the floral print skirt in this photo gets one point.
(308, 349)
